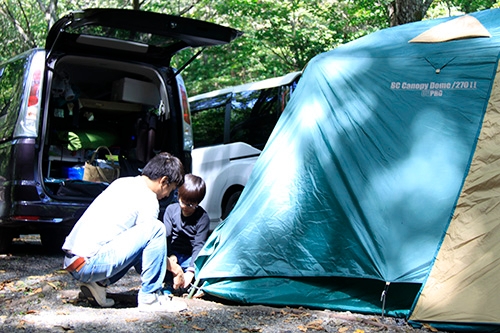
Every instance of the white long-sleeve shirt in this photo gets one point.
(126, 202)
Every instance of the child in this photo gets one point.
(187, 225)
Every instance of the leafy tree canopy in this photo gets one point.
(279, 36)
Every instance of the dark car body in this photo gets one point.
(103, 79)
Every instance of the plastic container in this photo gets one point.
(75, 172)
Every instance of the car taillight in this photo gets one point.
(186, 115)
(35, 88)
(25, 218)
(29, 114)
(185, 106)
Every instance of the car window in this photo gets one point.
(11, 88)
(124, 34)
(208, 117)
(254, 115)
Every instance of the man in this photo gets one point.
(120, 229)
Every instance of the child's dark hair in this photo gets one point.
(193, 190)
(165, 164)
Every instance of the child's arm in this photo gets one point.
(176, 270)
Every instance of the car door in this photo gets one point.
(133, 35)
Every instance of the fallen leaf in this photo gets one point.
(251, 329)
(131, 320)
(3, 284)
(343, 329)
(316, 325)
(53, 285)
(20, 325)
(315, 322)
(31, 312)
(35, 277)
(359, 331)
(197, 328)
(302, 328)
(430, 328)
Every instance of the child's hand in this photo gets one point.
(177, 272)
(188, 278)
(179, 280)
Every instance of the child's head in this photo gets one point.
(192, 192)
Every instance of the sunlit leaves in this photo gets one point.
(279, 36)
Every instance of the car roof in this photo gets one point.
(133, 34)
(264, 84)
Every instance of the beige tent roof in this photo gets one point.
(462, 27)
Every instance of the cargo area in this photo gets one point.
(102, 103)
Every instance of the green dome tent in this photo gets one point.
(379, 189)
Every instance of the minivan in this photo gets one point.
(104, 79)
(231, 126)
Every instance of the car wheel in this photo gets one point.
(6, 237)
(231, 202)
(53, 240)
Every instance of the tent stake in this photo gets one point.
(384, 296)
(194, 288)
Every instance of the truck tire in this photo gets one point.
(231, 202)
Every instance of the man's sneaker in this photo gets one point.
(159, 303)
(94, 292)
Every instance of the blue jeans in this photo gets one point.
(145, 242)
(183, 260)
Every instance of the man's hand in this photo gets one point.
(177, 272)
(188, 278)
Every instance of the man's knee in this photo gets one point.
(156, 228)
(161, 230)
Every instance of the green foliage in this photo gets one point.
(469, 6)
(279, 36)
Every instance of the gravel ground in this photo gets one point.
(36, 295)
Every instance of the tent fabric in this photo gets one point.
(359, 182)
(462, 27)
(467, 268)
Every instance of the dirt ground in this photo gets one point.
(37, 295)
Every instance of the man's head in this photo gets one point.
(191, 193)
(167, 171)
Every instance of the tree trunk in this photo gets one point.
(406, 11)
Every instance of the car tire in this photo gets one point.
(52, 241)
(6, 237)
(231, 202)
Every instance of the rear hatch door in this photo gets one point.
(133, 35)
